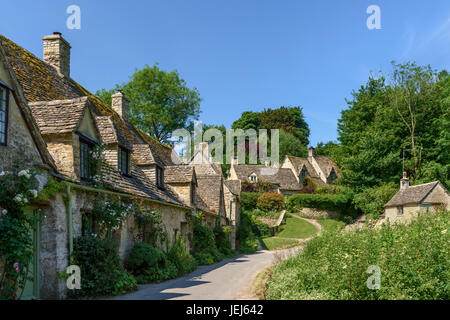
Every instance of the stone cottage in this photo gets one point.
(223, 198)
(282, 179)
(22, 145)
(410, 200)
(322, 170)
(56, 124)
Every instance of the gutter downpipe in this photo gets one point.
(70, 219)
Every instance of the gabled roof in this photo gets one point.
(179, 174)
(412, 194)
(283, 177)
(210, 191)
(25, 110)
(110, 133)
(58, 116)
(234, 186)
(41, 82)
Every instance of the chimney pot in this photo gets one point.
(57, 53)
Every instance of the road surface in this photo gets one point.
(229, 279)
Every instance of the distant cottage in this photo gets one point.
(410, 200)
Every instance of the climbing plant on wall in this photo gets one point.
(17, 190)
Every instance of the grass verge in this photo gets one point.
(297, 228)
(278, 243)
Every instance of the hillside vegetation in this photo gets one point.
(413, 260)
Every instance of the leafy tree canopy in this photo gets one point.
(160, 101)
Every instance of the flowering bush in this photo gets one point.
(270, 201)
(109, 214)
(17, 189)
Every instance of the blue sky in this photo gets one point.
(242, 55)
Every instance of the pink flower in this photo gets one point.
(16, 266)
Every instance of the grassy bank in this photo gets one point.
(297, 228)
(413, 259)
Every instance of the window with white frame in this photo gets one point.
(253, 177)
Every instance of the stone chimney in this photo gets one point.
(311, 152)
(121, 105)
(404, 182)
(57, 53)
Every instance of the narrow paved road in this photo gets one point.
(226, 280)
(229, 279)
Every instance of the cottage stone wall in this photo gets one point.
(20, 146)
(62, 150)
(183, 192)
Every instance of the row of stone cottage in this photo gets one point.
(51, 123)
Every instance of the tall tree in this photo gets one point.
(160, 101)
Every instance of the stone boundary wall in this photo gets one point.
(316, 213)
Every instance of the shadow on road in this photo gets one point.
(154, 291)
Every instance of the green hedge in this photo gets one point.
(249, 200)
(340, 202)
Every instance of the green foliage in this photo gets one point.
(409, 110)
(17, 190)
(260, 229)
(109, 214)
(51, 189)
(247, 240)
(248, 120)
(340, 202)
(101, 270)
(204, 247)
(150, 264)
(270, 201)
(258, 186)
(413, 260)
(331, 224)
(222, 238)
(160, 101)
(248, 200)
(180, 257)
(371, 201)
(291, 145)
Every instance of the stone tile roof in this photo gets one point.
(178, 174)
(58, 116)
(412, 194)
(41, 82)
(26, 112)
(110, 133)
(326, 164)
(234, 186)
(210, 191)
(138, 184)
(143, 155)
(283, 177)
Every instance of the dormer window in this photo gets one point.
(123, 161)
(4, 94)
(253, 177)
(86, 162)
(159, 177)
(303, 174)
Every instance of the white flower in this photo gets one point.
(2, 173)
(34, 193)
(444, 231)
(22, 173)
(18, 198)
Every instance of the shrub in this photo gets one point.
(222, 237)
(102, 272)
(248, 200)
(413, 260)
(260, 229)
(204, 248)
(150, 264)
(308, 186)
(340, 202)
(371, 201)
(259, 186)
(181, 258)
(247, 241)
(270, 201)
